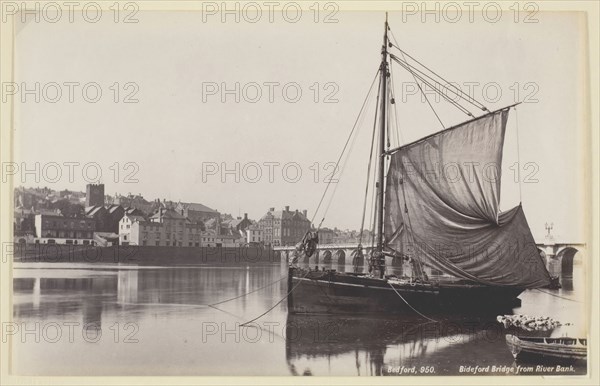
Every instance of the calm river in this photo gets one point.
(93, 319)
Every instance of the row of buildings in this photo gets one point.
(96, 219)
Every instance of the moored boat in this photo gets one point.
(324, 292)
(436, 207)
(563, 349)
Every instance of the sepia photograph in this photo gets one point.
(216, 192)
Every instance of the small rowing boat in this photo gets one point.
(564, 348)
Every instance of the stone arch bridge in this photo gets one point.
(557, 255)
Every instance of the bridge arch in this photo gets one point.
(566, 256)
(340, 255)
(327, 257)
(358, 261)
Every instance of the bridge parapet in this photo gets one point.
(558, 255)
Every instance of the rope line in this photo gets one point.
(445, 83)
(276, 304)
(247, 293)
(239, 317)
(518, 156)
(362, 222)
(558, 296)
(408, 304)
(399, 135)
(345, 146)
(430, 84)
(422, 92)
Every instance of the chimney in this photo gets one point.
(304, 213)
(287, 208)
(271, 209)
(245, 216)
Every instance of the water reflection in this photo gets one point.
(180, 334)
(379, 346)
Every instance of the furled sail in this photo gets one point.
(442, 198)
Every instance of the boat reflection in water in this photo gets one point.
(324, 345)
(168, 306)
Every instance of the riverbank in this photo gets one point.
(51, 253)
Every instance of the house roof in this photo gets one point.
(210, 223)
(233, 223)
(93, 210)
(133, 217)
(112, 208)
(167, 213)
(107, 235)
(197, 207)
(286, 214)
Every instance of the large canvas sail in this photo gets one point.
(442, 199)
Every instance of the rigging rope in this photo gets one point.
(374, 198)
(518, 157)
(410, 236)
(344, 148)
(423, 93)
(399, 136)
(326, 210)
(430, 84)
(445, 83)
(387, 116)
(408, 304)
(362, 222)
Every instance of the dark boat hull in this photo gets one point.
(318, 292)
(547, 349)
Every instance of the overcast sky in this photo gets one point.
(175, 128)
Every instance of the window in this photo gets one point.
(157, 243)
(124, 237)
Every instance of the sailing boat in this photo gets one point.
(450, 224)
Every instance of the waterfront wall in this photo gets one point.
(50, 253)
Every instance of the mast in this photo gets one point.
(379, 259)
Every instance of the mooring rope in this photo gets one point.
(247, 293)
(558, 296)
(239, 317)
(276, 304)
(408, 304)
